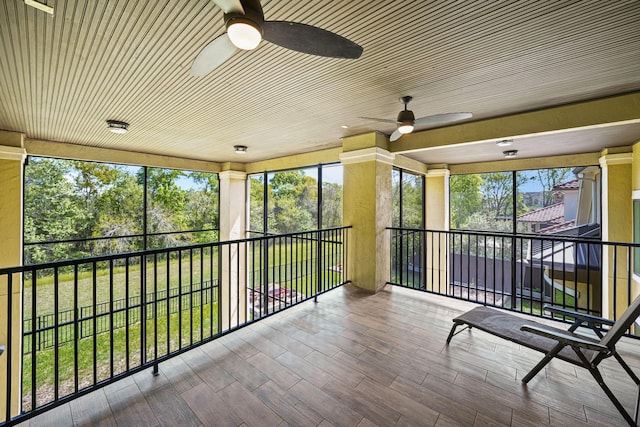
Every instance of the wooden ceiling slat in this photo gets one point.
(129, 60)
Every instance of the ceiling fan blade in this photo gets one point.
(213, 55)
(311, 40)
(230, 6)
(442, 118)
(379, 120)
(395, 135)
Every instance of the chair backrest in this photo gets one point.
(623, 323)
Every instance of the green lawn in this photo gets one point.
(289, 265)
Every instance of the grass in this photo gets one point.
(173, 332)
(289, 265)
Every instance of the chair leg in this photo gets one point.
(598, 377)
(452, 332)
(541, 364)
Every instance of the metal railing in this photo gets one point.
(111, 316)
(519, 272)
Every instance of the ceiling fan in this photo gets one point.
(406, 121)
(246, 27)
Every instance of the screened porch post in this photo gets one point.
(233, 221)
(367, 207)
(12, 157)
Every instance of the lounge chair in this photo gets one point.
(567, 345)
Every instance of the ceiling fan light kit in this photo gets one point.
(244, 35)
(244, 29)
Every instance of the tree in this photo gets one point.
(465, 198)
(295, 202)
(121, 214)
(331, 205)
(548, 179)
(52, 209)
(256, 202)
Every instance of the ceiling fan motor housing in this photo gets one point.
(406, 117)
(251, 17)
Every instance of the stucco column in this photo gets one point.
(617, 226)
(12, 157)
(233, 297)
(437, 218)
(367, 208)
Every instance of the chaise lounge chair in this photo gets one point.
(567, 345)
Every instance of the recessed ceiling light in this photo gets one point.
(504, 142)
(116, 126)
(509, 154)
(240, 149)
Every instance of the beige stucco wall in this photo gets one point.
(367, 208)
(11, 160)
(437, 218)
(232, 227)
(617, 226)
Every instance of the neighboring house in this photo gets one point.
(550, 260)
(558, 216)
(545, 217)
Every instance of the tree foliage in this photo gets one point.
(465, 198)
(75, 200)
(548, 179)
(292, 202)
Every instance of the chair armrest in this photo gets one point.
(587, 318)
(565, 339)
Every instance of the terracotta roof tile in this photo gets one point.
(569, 185)
(552, 213)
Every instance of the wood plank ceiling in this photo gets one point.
(61, 77)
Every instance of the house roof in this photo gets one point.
(569, 185)
(557, 227)
(64, 75)
(552, 213)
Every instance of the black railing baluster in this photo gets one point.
(56, 350)
(202, 293)
(34, 333)
(190, 296)
(111, 359)
(155, 314)
(238, 284)
(180, 299)
(76, 339)
(127, 337)
(94, 321)
(143, 309)
(9, 349)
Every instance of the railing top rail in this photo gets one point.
(137, 254)
(531, 236)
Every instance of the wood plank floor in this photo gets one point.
(355, 359)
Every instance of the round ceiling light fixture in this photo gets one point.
(509, 154)
(504, 142)
(240, 149)
(244, 33)
(117, 126)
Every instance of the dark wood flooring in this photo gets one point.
(355, 359)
